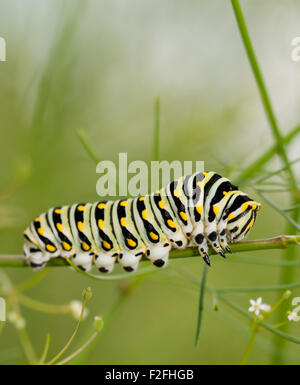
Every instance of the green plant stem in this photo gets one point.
(46, 350)
(292, 208)
(263, 261)
(141, 272)
(2, 324)
(293, 223)
(250, 346)
(260, 289)
(124, 293)
(87, 146)
(41, 306)
(69, 343)
(262, 88)
(27, 346)
(258, 164)
(287, 276)
(266, 326)
(34, 280)
(281, 324)
(156, 128)
(221, 297)
(280, 242)
(80, 350)
(201, 304)
(273, 173)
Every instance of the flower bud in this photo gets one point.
(98, 323)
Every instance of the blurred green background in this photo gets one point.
(98, 65)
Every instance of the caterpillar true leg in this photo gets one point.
(201, 241)
(213, 240)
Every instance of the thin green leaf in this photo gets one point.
(46, 350)
(279, 210)
(87, 146)
(143, 271)
(156, 129)
(273, 173)
(258, 164)
(262, 88)
(201, 304)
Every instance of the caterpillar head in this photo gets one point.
(241, 217)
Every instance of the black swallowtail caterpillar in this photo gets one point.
(205, 209)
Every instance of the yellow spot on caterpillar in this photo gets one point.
(161, 204)
(171, 223)
(199, 209)
(254, 206)
(57, 211)
(225, 192)
(80, 226)
(101, 206)
(66, 246)
(80, 208)
(59, 227)
(144, 214)
(50, 248)
(106, 245)
(100, 224)
(123, 203)
(153, 236)
(244, 206)
(157, 192)
(250, 224)
(40, 231)
(131, 242)
(216, 209)
(142, 199)
(85, 246)
(37, 219)
(205, 173)
(123, 222)
(183, 215)
(176, 193)
(230, 216)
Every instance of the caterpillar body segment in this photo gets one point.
(107, 248)
(203, 209)
(131, 245)
(164, 214)
(156, 241)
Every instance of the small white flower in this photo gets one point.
(20, 324)
(293, 316)
(12, 316)
(76, 308)
(16, 320)
(257, 307)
